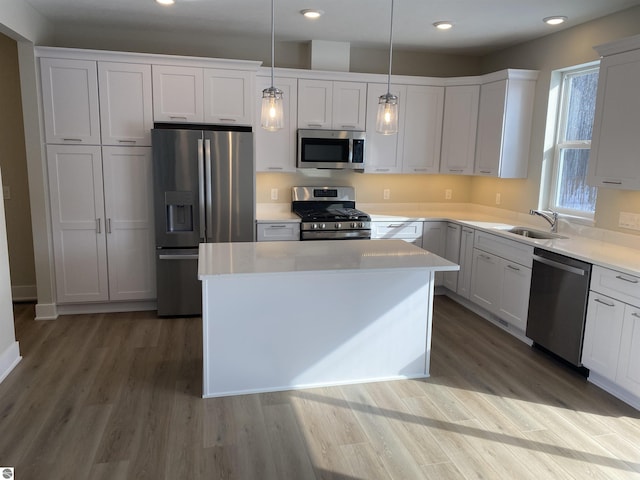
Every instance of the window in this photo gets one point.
(570, 193)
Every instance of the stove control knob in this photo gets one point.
(361, 225)
(314, 226)
(354, 225)
(323, 226)
(338, 226)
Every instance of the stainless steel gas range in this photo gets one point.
(329, 213)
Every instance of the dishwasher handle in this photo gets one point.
(561, 266)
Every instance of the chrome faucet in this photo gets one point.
(549, 215)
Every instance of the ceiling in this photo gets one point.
(481, 26)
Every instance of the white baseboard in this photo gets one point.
(111, 307)
(24, 293)
(46, 311)
(9, 359)
(614, 389)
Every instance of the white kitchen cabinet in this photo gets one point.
(126, 108)
(70, 101)
(459, 129)
(276, 151)
(178, 94)
(128, 198)
(501, 277)
(504, 125)
(228, 96)
(602, 334)
(613, 161)
(628, 374)
(452, 253)
(434, 236)
(326, 104)
(278, 232)
(102, 223)
(78, 223)
(416, 146)
(465, 261)
(408, 231)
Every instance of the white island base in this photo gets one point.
(289, 315)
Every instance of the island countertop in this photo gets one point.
(321, 255)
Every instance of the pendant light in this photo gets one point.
(387, 120)
(272, 118)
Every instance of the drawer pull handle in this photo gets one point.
(314, 124)
(612, 182)
(348, 126)
(607, 304)
(456, 170)
(455, 227)
(71, 139)
(486, 257)
(486, 172)
(175, 117)
(277, 226)
(127, 141)
(634, 314)
(513, 268)
(620, 277)
(98, 225)
(228, 120)
(275, 168)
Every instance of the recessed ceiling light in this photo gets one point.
(443, 25)
(555, 20)
(308, 13)
(166, 2)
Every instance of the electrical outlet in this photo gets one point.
(498, 199)
(274, 194)
(386, 194)
(447, 194)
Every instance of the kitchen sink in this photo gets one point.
(532, 233)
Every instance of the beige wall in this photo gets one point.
(570, 47)
(13, 162)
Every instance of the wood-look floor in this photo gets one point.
(117, 396)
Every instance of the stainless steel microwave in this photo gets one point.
(342, 149)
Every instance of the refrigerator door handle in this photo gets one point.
(209, 188)
(201, 193)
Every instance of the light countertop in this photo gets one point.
(323, 255)
(621, 257)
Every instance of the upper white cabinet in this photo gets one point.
(276, 151)
(197, 95)
(228, 96)
(416, 147)
(461, 103)
(326, 104)
(126, 110)
(70, 101)
(504, 125)
(614, 143)
(178, 94)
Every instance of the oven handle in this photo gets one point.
(561, 266)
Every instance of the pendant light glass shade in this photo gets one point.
(272, 118)
(387, 119)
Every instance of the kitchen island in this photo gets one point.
(288, 315)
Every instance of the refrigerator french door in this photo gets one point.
(204, 189)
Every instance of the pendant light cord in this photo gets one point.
(390, 50)
(273, 38)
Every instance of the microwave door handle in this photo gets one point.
(201, 199)
(209, 189)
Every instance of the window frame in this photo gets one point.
(559, 120)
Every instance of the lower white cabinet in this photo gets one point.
(501, 277)
(611, 348)
(278, 232)
(466, 261)
(434, 237)
(452, 253)
(408, 231)
(102, 223)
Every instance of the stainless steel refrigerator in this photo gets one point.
(204, 191)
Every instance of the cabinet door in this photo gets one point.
(452, 253)
(276, 151)
(434, 235)
(381, 151)
(281, 232)
(459, 129)
(490, 125)
(422, 129)
(486, 275)
(77, 220)
(126, 110)
(614, 145)
(628, 374)
(349, 106)
(466, 262)
(514, 294)
(128, 196)
(602, 334)
(228, 96)
(177, 94)
(70, 101)
(315, 104)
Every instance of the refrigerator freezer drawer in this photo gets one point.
(179, 290)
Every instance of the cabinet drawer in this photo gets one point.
(273, 232)
(615, 284)
(508, 249)
(399, 230)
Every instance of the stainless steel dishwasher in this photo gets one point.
(558, 304)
